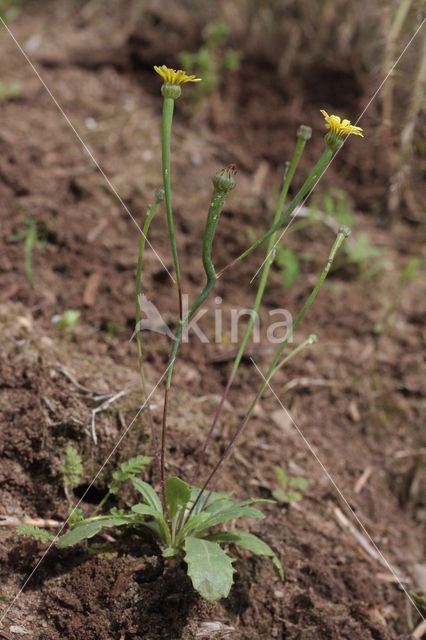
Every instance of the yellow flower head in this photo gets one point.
(340, 128)
(171, 76)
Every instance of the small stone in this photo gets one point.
(17, 629)
(282, 420)
(90, 123)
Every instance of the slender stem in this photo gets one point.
(162, 461)
(288, 177)
(101, 504)
(215, 209)
(343, 233)
(151, 213)
(168, 107)
(309, 183)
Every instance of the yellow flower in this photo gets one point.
(340, 128)
(171, 76)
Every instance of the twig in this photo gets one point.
(14, 521)
(410, 452)
(361, 539)
(362, 480)
(307, 382)
(103, 407)
(419, 631)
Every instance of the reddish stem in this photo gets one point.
(210, 432)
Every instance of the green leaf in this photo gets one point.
(30, 531)
(280, 495)
(419, 599)
(88, 529)
(294, 496)
(213, 501)
(250, 501)
(178, 494)
(128, 469)
(161, 529)
(229, 513)
(170, 552)
(148, 494)
(289, 266)
(359, 250)
(72, 467)
(67, 320)
(75, 516)
(299, 482)
(146, 510)
(209, 568)
(282, 477)
(193, 523)
(250, 542)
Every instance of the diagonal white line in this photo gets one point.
(373, 97)
(341, 495)
(83, 496)
(84, 145)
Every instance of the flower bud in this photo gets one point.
(304, 132)
(345, 230)
(159, 194)
(171, 90)
(224, 180)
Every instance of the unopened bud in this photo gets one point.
(224, 180)
(345, 230)
(304, 132)
(159, 194)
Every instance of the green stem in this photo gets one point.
(168, 107)
(151, 213)
(341, 236)
(301, 141)
(215, 209)
(309, 183)
(269, 253)
(101, 504)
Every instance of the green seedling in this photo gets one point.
(32, 236)
(9, 90)
(212, 60)
(335, 205)
(420, 601)
(9, 9)
(290, 489)
(185, 530)
(67, 320)
(407, 275)
(72, 472)
(30, 531)
(72, 467)
(288, 266)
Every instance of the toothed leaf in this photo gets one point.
(250, 542)
(89, 529)
(128, 469)
(30, 531)
(209, 568)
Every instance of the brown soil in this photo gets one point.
(356, 397)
